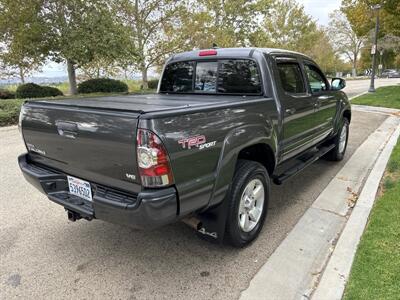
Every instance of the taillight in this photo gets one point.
(207, 52)
(153, 161)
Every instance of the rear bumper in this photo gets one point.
(146, 210)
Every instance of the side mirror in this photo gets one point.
(338, 84)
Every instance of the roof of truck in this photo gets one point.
(232, 52)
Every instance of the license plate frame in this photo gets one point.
(80, 188)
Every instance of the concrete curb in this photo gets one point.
(294, 269)
(336, 274)
(8, 128)
(375, 109)
(358, 95)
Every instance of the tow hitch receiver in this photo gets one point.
(73, 216)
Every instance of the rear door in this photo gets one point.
(324, 99)
(297, 107)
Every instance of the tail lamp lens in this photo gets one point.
(207, 52)
(153, 161)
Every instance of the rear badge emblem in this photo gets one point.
(33, 148)
(130, 176)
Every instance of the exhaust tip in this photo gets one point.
(192, 222)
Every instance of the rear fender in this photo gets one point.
(213, 218)
(237, 140)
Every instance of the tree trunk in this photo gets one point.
(21, 75)
(354, 70)
(145, 84)
(73, 90)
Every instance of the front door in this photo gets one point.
(324, 99)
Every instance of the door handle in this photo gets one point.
(290, 111)
(67, 129)
(325, 97)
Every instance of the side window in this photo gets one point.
(316, 79)
(245, 72)
(291, 77)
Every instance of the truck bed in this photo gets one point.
(145, 103)
(95, 138)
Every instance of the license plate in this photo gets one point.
(80, 188)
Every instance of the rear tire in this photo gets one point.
(248, 203)
(340, 141)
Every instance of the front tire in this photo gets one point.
(340, 141)
(248, 204)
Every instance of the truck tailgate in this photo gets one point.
(97, 145)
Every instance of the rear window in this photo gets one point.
(206, 77)
(235, 76)
(178, 78)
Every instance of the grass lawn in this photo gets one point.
(388, 96)
(376, 270)
(9, 109)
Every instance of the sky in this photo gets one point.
(318, 9)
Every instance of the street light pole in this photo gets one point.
(374, 49)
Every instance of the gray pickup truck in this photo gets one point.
(224, 124)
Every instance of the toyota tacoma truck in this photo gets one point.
(223, 126)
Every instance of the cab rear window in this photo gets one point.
(234, 76)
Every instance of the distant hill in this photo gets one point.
(38, 80)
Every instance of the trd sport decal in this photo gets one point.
(196, 141)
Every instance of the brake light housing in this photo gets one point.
(153, 160)
(208, 52)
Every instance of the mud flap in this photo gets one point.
(213, 222)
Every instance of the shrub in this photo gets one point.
(32, 90)
(153, 84)
(9, 111)
(102, 85)
(52, 91)
(5, 94)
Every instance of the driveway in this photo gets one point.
(355, 87)
(43, 255)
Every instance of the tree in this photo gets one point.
(81, 31)
(360, 15)
(391, 23)
(226, 23)
(150, 23)
(22, 36)
(286, 25)
(100, 67)
(324, 54)
(344, 39)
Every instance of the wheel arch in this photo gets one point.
(250, 142)
(261, 153)
(347, 114)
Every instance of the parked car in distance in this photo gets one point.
(224, 125)
(390, 73)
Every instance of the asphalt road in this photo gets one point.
(42, 255)
(355, 87)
